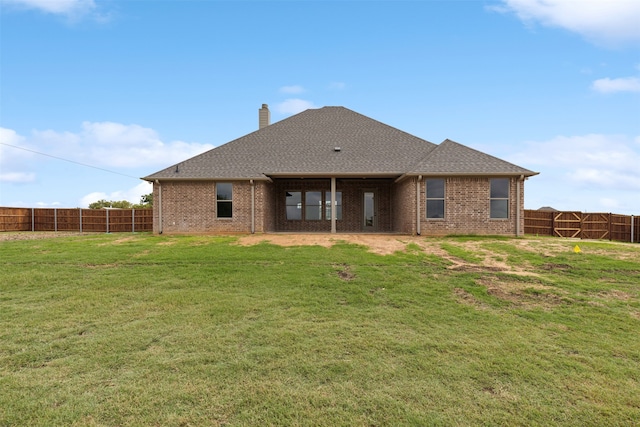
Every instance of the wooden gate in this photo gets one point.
(596, 226)
(567, 224)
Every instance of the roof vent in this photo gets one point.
(336, 149)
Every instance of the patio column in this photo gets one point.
(333, 205)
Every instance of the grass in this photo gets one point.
(103, 330)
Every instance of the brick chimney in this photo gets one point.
(264, 117)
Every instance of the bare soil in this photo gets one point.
(386, 244)
(36, 235)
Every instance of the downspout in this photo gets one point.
(418, 216)
(159, 207)
(253, 206)
(518, 192)
(334, 209)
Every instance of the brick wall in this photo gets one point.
(467, 209)
(190, 206)
(265, 209)
(403, 200)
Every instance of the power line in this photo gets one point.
(67, 160)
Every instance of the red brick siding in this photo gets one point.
(467, 209)
(404, 206)
(190, 206)
(265, 208)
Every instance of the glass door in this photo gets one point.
(369, 217)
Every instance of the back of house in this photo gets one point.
(334, 170)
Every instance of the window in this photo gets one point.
(313, 205)
(499, 197)
(224, 199)
(327, 204)
(294, 205)
(317, 205)
(435, 198)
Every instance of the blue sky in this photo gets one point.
(121, 89)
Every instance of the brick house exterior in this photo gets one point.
(333, 170)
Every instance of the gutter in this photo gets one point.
(418, 214)
(462, 174)
(221, 179)
(253, 206)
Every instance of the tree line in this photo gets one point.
(146, 201)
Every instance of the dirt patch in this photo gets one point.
(555, 267)
(472, 268)
(36, 235)
(123, 240)
(615, 294)
(379, 244)
(119, 241)
(344, 272)
(384, 244)
(464, 297)
(490, 261)
(523, 295)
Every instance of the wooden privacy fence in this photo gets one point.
(89, 220)
(623, 228)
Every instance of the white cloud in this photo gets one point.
(623, 84)
(295, 89)
(132, 195)
(17, 177)
(58, 7)
(589, 173)
(13, 158)
(602, 21)
(591, 161)
(9, 136)
(115, 145)
(294, 106)
(48, 205)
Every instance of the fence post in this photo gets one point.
(33, 228)
(133, 220)
(55, 219)
(107, 211)
(80, 210)
(632, 220)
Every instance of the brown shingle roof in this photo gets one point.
(452, 158)
(305, 144)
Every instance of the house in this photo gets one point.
(334, 170)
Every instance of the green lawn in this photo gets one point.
(122, 329)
